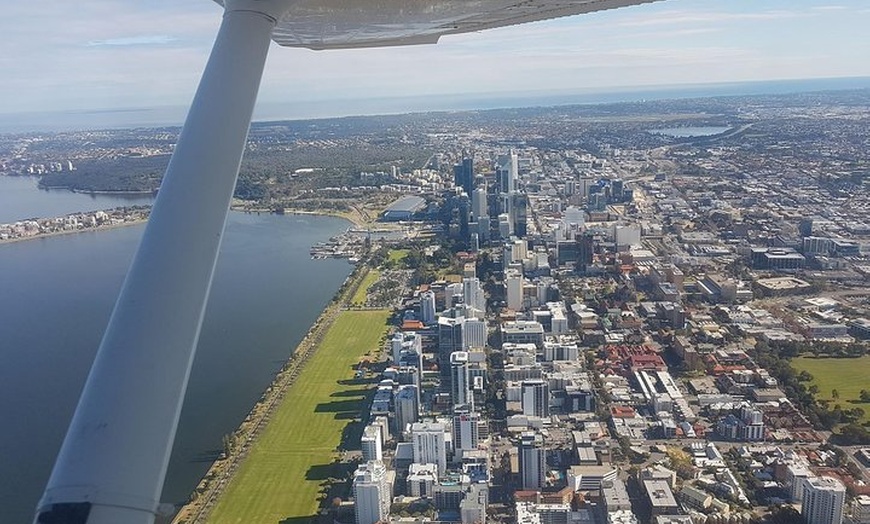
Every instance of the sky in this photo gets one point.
(106, 55)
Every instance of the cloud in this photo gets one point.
(705, 17)
(133, 41)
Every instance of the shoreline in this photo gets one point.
(51, 234)
(135, 222)
(214, 482)
(302, 212)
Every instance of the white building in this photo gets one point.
(473, 333)
(407, 407)
(427, 307)
(371, 493)
(466, 431)
(371, 443)
(472, 294)
(460, 381)
(513, 281)
(824, 500)
(421, 479)
(430, 444)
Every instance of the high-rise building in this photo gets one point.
(473, 333)
(371, 443)
(404, 343)
(536, 398)
(805, 227)
(466, 430)
(513, 281)
(427, 307)
(407, 405)
(460, 382)
(472, 294)
(450, 334)
(532, 461)
(823, 500)
(463, 175)
(430, 444)
(507, 172)
(520, 214)
(371, 493)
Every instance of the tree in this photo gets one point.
(835, 394)
(865, 395)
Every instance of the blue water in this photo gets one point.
(688, 132)
(305, 109)
(56, 295)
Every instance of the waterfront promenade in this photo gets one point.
(285, 452)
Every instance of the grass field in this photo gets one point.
(847, 375)
(281, 478)
(398, 255)
(359, 298)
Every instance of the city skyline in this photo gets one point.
(99, 56)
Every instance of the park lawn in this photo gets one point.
(847, 375)
(359, 298)
(281, 477)
(398, 255)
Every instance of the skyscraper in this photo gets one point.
(371, 443)
(371, 493)
(463, 175)
(536, 398)
(430, 444)
(473, 333)
(532, 461)
(460, 382)
(427, 307)
(823, 500)
(472, 294)
(407, 406)
(466, 435)
(513, 281)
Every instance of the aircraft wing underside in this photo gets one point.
(347, 24)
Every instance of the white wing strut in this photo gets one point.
(114, 458)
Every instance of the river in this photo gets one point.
(56, 295)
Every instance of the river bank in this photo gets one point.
(240, 443)
(49, 234)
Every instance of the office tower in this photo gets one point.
(513, 281)
(463, 175)
(371, 443)
(430, 444)
(504, 226)
(616, 190)
(407, 406)
(532, 461)
(519, 214)
(371, 493)
(478, 203)
(404, 343)
(506, 173)
(473, 333)
(450, 335)
(466, 424)
(585, 251)
(460, 383)
(427, 307)
(536, 398)
(823, 500)
(472, 294)
(806, 227)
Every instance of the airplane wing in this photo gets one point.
(348, 24)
